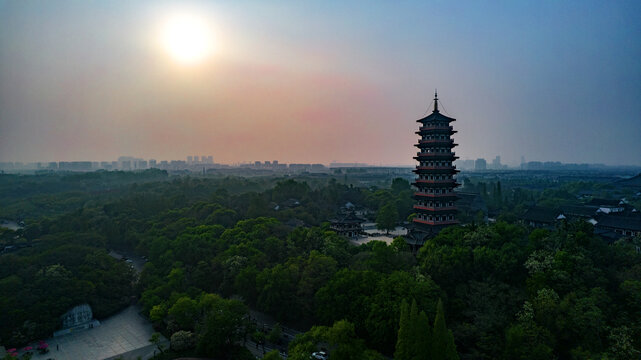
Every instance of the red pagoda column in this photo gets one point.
(435, 176)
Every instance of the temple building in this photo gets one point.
(348, 224)
(435, 178)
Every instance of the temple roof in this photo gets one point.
(620, 222)
(349, 218)
(436, 114)
(604, 202)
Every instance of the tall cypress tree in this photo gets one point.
(443, 347)
(424, 341)
(415, 335)
(403, 342)
(418, 341)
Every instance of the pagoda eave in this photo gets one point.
(447, 209)
(426, 157)
(422, 196)
(435, 170)
(427, 222)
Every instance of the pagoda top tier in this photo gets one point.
(435, 115)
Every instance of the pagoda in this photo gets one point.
(435, 178)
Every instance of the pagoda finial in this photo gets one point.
(435, 101)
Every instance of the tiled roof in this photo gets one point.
(435, 116)
(603, 202)
(620, 222)
(349, 218)
(582, 211)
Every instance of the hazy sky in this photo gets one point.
(301, 81)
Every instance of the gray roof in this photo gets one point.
(632, 223)
(349, 218)
(580, 211)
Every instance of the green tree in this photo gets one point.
(443, 347)
(184, 312)
(424, 334)
(156, 339)
(274, 334)
(340, 340)
(182, 340)
(403, 342)
(414, 340)
(400, 184)
(272, 355)
(387, 217)
(222, 328)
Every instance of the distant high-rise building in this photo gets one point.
(465, 164)
(190, 160)
(496, 163)
(435, 182)
(152, 163)
(480, 164)
(210, 159)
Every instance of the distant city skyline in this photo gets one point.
(190, 161)
(319, 82)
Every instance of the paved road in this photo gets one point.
(266, 322)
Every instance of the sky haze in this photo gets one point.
(321, 82)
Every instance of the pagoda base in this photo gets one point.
(418, 234)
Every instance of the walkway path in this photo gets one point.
(122, 333)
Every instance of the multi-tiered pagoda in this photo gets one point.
(435, 178)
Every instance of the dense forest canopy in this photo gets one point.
(219, 246)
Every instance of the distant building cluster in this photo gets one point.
(124, 163)
(612, 219)
(481, 164)
(193, 163)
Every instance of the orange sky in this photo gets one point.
(320, 82)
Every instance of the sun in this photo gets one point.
(187, 39)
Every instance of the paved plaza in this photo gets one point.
(379, 235)
(122, 333)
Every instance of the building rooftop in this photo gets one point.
(620, 222)
(349, 218)
(603, 202)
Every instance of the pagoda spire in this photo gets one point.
(435, 101)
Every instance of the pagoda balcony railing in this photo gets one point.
(446, 195)
(428, 222)
(444, 208)
(435, 128)
(442, 181)
(433, 141)
(436, 167)
(435, 154)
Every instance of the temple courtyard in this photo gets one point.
(125, 334)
